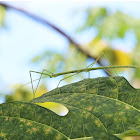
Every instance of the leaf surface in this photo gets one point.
(112, 100)
(97, 108)
(14, 128)
(21, 117)
(112, 87)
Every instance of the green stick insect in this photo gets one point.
(87, 69)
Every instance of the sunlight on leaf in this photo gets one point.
(41, 90)
(22, 93)
(123, 58)
(2, 15)
(132, 138)
(57, 108)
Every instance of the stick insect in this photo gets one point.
(87, 69)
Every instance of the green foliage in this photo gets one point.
(25, 94)
(98, 108)
(25, 121)
(136, 58)
(110, 24)
(20, 94)
(95, 17)
(115, 25)
(2, 15)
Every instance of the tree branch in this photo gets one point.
(47, 23)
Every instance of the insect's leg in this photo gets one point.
(41, 78)
(34, 91)
(110, 64)
(92, 65)
(99, 64)
(64, 79)
(88, 74)
(95, 61)
(104, 69)
(32, 84)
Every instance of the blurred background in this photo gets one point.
(85, 30)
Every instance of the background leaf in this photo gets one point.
(2, 15)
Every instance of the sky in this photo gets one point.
(22, 38)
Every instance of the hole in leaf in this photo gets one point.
(57, 108)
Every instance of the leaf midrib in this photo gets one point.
(52, 96)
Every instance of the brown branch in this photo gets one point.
(47, 23)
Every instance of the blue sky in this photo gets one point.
(22, 39)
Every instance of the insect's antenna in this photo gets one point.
(32, 81)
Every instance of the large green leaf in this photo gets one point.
(97, 107)
(111, 99)
(113, 87)
(14, 128)
(32, 121)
